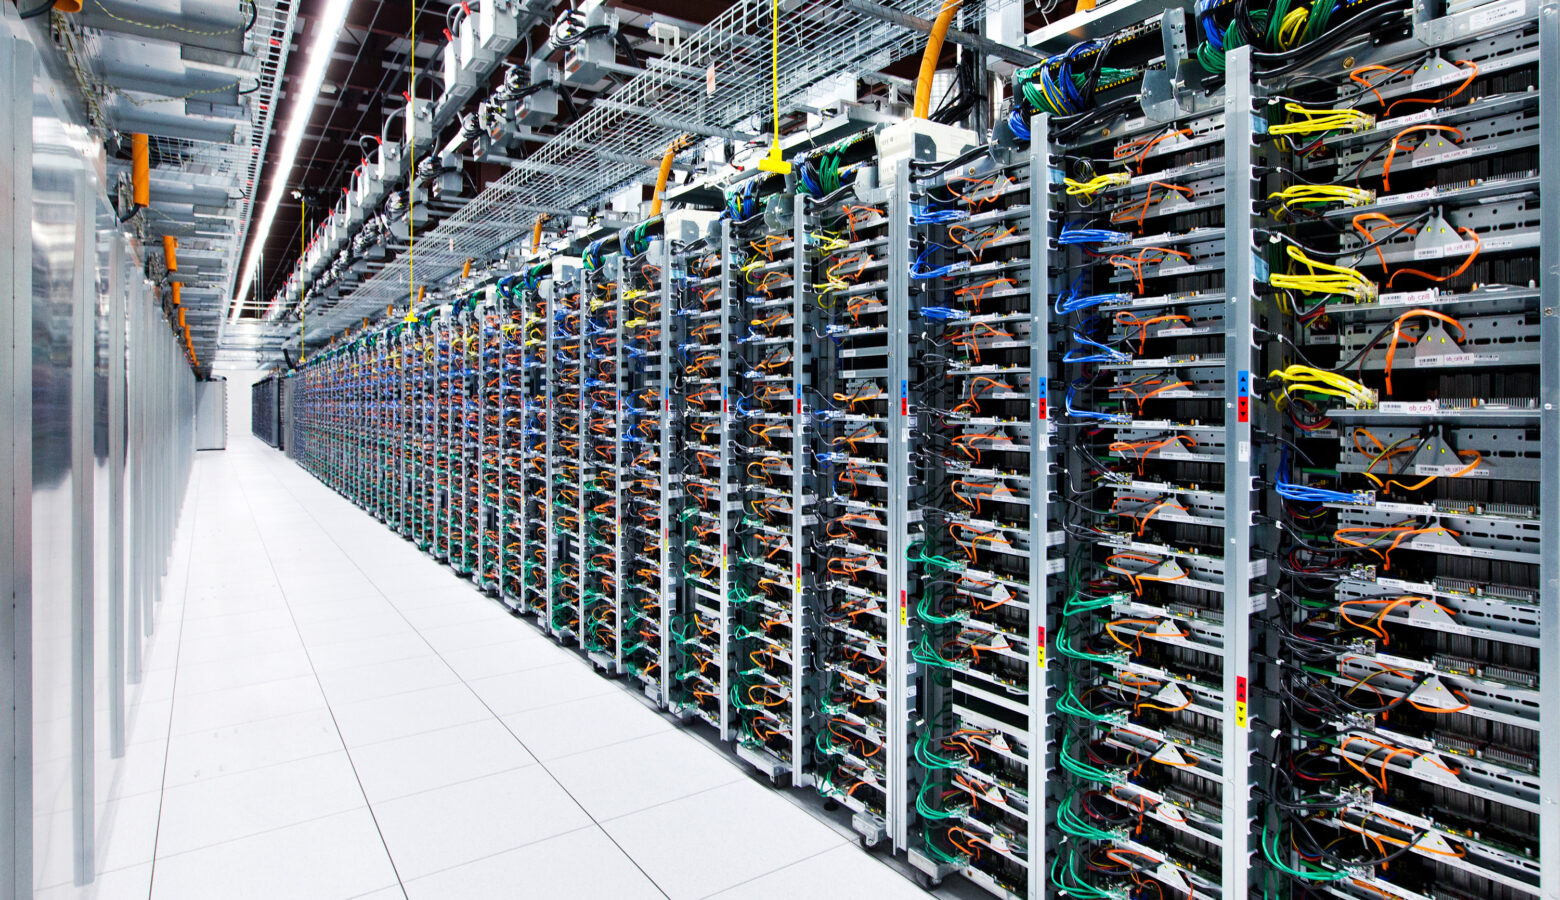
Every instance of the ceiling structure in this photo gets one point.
(200, 79)
(212, 80)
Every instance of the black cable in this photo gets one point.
(628, 48)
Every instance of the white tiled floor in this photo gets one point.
(351, 720)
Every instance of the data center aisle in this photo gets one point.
(351, 720)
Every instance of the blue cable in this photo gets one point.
(920, 274)
(1072, 234)
(1113, 418)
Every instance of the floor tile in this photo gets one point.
(567, 680)
(386, 679)
(556, 731)
(330, 858)
(622, 778)
(721, 823)
(425, 617)
(124, 835)
(341, 609)
(197, 630)
(223, 809)
(399, 715)
(461, 823)
(580, 865)
(236, 649)
(841, 872)
(368, 651)
(466, 635)
(216, 752)
(251, 703)
(132, 883)
(382, 621)
(421, 762)
(501, 659)
(217, 675)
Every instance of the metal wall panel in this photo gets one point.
(16, 67)
(58, 242)
(211, 415)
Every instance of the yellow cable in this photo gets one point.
(1330, 384)
(1292, 28)
(773, 162)
(1323, 193)
(1096, 184)
(1333, 280)
(1312, 121)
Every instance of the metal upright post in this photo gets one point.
(723, 505)
(618, 594)
(581, 554)
(1238, 131)
(549, 537)
(1040, 474)
(800, 606)
(900, 422)
(1549, 425)
(667, 577)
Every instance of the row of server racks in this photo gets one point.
(265, 410)
(1113, 508)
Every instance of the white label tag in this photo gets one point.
(1449, 74)
(1496, 15)
(1421, 116)
(1451, 469)
(1446, 359)
(1439, 158)
(1458, 248)
(1413, 408)
(1407, 298)
(1412, 196)
(1243, 452)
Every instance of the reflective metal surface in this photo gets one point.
(96, 433)
(58, 240)
(16, 66)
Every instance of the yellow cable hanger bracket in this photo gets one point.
(773, 162)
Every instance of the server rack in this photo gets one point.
(265, 410)
(526, 456)
(850, 284)
(770, 577)
(650, 593)
(1039, 505)
(701, 551)
(565, 394)
(601, 457)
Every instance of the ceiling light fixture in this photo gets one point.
(327, 28)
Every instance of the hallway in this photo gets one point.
(327, 713)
